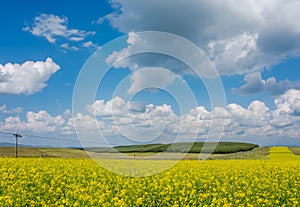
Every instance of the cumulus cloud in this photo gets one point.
(27, 78)
(236, 55)
(288, 103)
(240, 37)
(255, 84)
(256, 120)
(43, 122)
(201, 19)
(36, 122)
(147, 78)
(54, 27)
(114, 107)
(119, 118)
(133, 119)
(154, 67)
(136, 43)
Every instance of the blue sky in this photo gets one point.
(254, 48)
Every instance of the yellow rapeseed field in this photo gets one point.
(81, 182)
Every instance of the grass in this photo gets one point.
(295, 150)
(23, 152)
(39, 152)
(65, 152)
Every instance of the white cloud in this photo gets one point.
(201, 20)
(151, 77)
(53, 27)
(286, 116)
(255, 84)
(5, 110)
(27, 78)
(89, 44)
(136, 43)
(43, 122)
(117, 117)
(35, 122)
(257, 120)
(68, 47)
(88, 125)
(240, 37)
(149, 69)
(114, 107)
(235, 55)
(134, 120)
(117, 107)
(288, 103)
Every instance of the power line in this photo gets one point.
(4, 136)
(5, 133)
(58, 139)
(41, 137)
(48, 138)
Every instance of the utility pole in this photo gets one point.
(17, 137)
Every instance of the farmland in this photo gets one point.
(221, 150)
(81, 182)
